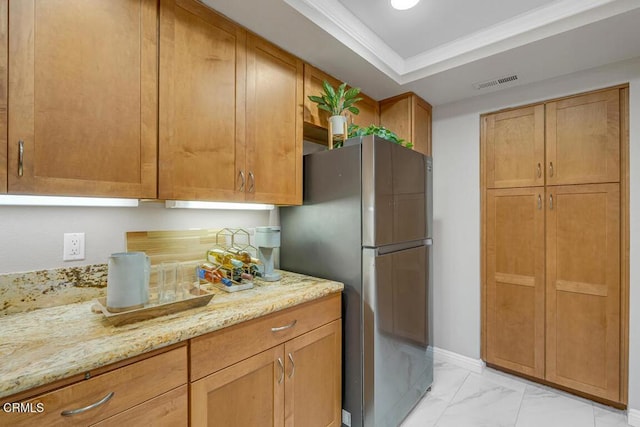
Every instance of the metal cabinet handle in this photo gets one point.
(20, 158)
(282, 328)
(281, 370)
(102, 401)
(539, 202)
(242, 178)
(252, 181)
(539, 170)
(293, 366)
(550, 168)
(550, 201)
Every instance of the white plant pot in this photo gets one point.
(337, 124)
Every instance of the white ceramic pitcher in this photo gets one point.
(128, 281)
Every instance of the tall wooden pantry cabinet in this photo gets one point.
(555, 258)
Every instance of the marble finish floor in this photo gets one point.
(461, 398)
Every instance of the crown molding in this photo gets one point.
(537, 24)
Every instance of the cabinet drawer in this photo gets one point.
(130, 385)
(167, 410)
(220, 349)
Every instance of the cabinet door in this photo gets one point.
(313, 79)
(83, 97)
(583, 288)
(422, 127)
(274, 124)
(249, 393)
(515, 279)
(515, 148)
(313, 378)
(409, 117)
(583, 139)
(369, 112)
(202, 102)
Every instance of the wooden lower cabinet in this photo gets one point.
(283, 369)
(152, 391)
(515, 279)
(297, 383)
(583, 288)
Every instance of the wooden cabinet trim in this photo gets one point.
(4, 45)
(214, 351)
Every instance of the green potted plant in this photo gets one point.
(381, 131)
(336, 102)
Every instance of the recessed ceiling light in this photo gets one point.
(403, 4)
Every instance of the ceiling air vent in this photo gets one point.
(496, 82)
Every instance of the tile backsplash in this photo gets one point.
(27, 291)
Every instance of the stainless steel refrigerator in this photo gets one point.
(366, 221)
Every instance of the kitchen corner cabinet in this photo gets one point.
(230, 117)
(554, 307)
(82, 97)
(409, 116)
(281, 370)
(152, 391)
(313, 78)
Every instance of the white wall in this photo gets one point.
(456, 137)
(31, 237)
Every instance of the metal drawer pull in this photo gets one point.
(550, 168)
(241, 177)
(539, 202)
(252, 181)
(281, 370)
(293, 366)
(20, 158)
(87, 408)
(539, 170)
(550, 201)
(282, 328)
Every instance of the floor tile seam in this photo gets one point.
(452, 397)
(515, 424)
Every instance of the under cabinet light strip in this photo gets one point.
(182, 204)
(10, 200)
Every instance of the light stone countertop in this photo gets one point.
(50, 344)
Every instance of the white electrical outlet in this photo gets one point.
(73, 246)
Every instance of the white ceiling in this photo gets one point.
(440, 48)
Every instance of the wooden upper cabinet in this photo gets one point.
(409, 117)
(202, 103)
(583, 288)
(514, 142)
(313, 78)
(273, 170)
(82, 97)
(583, 139)
(4, 39)
(515, 279)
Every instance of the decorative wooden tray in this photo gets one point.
(151, 310)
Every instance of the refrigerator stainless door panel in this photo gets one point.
(394, 195)
(322, 239)
(397, 368)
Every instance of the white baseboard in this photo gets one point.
(633, 417)
(469, 363)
